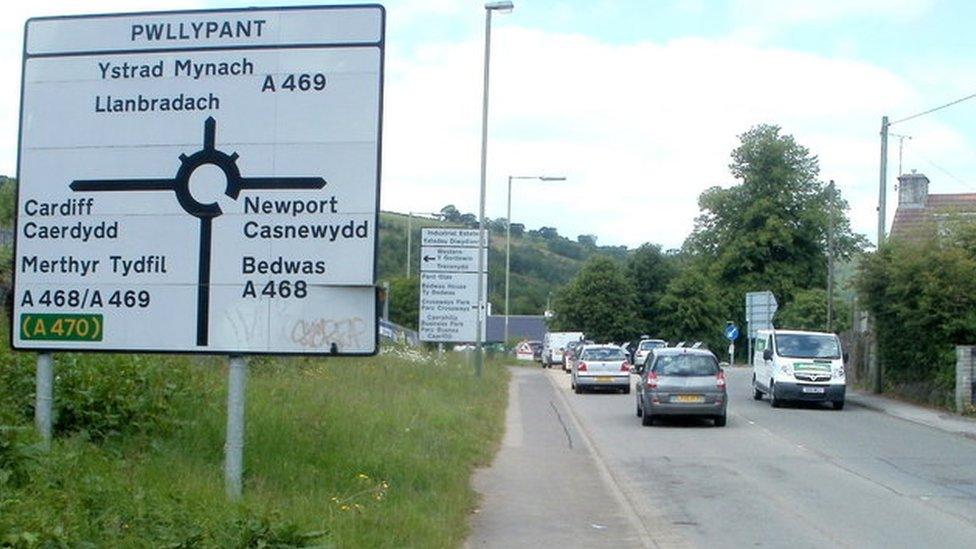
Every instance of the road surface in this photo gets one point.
(800, 476)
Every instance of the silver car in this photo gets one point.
(601, 367)
(681, 382)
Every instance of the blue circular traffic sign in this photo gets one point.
(732, 332)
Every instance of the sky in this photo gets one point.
(639, 103)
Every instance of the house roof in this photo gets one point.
(918, 223)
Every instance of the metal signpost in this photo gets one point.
(449, 284)
(731, 333)
(760, 309)
(201, 182)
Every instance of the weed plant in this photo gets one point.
(373, 452)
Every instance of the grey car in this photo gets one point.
(681, 382)
(601, 367)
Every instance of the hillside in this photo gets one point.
(542, 261)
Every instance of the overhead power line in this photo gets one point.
(939, 108)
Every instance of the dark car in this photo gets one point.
(536, 350)
(681, 382)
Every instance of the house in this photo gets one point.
(921, 215)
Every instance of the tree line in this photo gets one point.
(768, 231)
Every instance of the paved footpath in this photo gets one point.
(546, 487)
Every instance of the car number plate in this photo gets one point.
(814, 390)
(604, 379)
(694, 399)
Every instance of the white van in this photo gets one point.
(554, 344)
(794, 365)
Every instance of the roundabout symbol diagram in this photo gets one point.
(209, 155)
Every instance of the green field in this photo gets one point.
(371, 452)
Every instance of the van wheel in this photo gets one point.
(756, 393)
(838, 404)
(773, 401)
(720, 420)
(579, 390)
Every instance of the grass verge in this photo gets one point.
(371, 452)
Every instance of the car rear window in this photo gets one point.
(686, 365)
(648, 345)
(605, 354)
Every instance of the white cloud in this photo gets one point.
(640, 129)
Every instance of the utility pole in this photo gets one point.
(874, 365)
(830, 255)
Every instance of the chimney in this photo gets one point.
(913, 190)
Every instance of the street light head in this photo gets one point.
(501, 6)
(552, 178)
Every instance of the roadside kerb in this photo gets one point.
(641, 515)
(943, 421)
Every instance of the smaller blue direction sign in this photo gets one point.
(732, 332)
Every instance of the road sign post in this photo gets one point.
(200, 182)
(731, 333)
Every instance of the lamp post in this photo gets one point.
(502, 6)
(508, 234)
(410, 232)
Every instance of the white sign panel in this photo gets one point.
(449, 305)
(460, 238)
(449, 285)
(457, 260)
(203, 181)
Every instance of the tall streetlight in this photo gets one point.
(508, 234)
(503, 6)
(410, 232)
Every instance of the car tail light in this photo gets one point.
(652, 380)
(624, 367)
(720, 379)
(582, 367)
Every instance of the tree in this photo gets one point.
(770, 231)
(599, 302)
(451, 214)
(8, 201)
(690, 310)
(405, 301)
(588, 240)
(808, 311)
(650, 272)
(518, 229)
(468, 220)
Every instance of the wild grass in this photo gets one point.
(373, 452)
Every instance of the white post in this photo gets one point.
(478, 358)
(409, 237)
(508, 254)
(44, 397)
(234, 447)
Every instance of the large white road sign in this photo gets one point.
(203, 181)
(449, 284)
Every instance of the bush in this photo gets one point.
(100, 395)
(923, 298)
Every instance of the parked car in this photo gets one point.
(681, 382)
(601, 367)
(794, 365)
(644, 348)
(554, 344)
